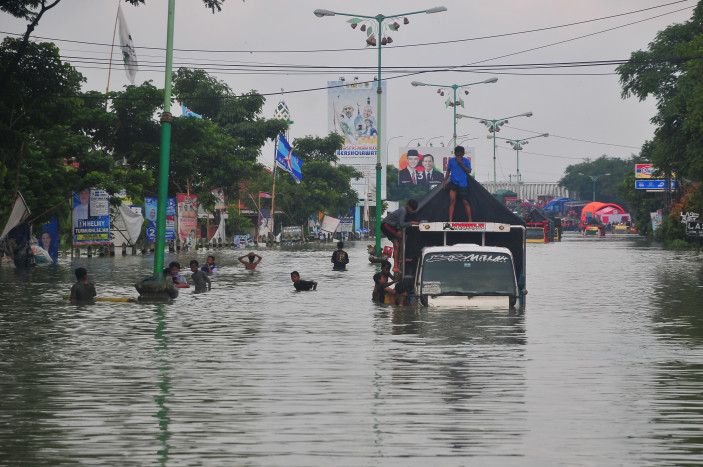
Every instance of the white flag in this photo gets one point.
(129, 55)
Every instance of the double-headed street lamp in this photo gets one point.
(383, 23)
(594, 179)
(427, 143)
(454, 103)
(518, 144)
(389, 142)
(493, 126)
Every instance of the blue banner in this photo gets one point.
(150, 210)
(49, 239)
(287, 160)
(91, 217)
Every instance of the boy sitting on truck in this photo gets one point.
(392, 227)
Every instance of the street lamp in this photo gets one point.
(427, 143)
(454, 103)
(493, 126)
(414, 139)
(518, 144)
(467, 139)
(594, 179)
(389, 142)
(383, 39)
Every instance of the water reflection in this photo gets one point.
(468, 367)
(164, 368)
(603, 367)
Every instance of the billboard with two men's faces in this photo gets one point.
(423, 165)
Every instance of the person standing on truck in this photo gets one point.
(392, 227)
(457, 180)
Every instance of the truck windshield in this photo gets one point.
(468, 273)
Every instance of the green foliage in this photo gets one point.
(606, 186)
(237, 223)
(670, 72)
(220, 150)
(41, 128)
(324, 187)
(316, 149)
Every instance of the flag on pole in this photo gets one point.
(288, 161)
(129, 55)
(189, 113)
(263, 194)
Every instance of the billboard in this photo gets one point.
(352, 113)
(150, 210)
(424, 165)
(647, 171)
(91, 217)
(187, 217)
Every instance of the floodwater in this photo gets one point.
(604, 367)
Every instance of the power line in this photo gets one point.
(551, 135)
(422, 44)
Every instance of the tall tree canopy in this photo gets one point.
(324, 187)
(670, 71)
(578, 178)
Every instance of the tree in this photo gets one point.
(324, 187)
(43, 126)
(220, 150)
(577, 178)
(33, 10)
(670, 72)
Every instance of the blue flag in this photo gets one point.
(189, 113)
(287, 160)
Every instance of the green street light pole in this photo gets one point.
(594, 179)
(493, 126)
(454, 102)
(166, 119)
(518, 144)
(379, 90)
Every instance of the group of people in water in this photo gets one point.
(455, 179)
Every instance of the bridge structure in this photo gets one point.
(531, 190)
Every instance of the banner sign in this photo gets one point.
(242, 241)
(425, 165)
(150, 209)
(265, 223)
(292, 232)
(49, 239)
(654, 185)
(694, 228)
(346, 224)
(647, 171)
(352, 113)
(187, 217)
(329, 224)
(91, 217)
(688, 216)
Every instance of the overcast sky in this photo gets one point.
(580, 107)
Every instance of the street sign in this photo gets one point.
(694, 228)
(658, 185)
(645, 171)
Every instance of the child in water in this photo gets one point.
(200, 278)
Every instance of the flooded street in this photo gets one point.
(604, 367)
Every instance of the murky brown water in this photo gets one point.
(605, 366)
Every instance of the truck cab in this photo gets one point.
(468, 265)
(466, 276)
